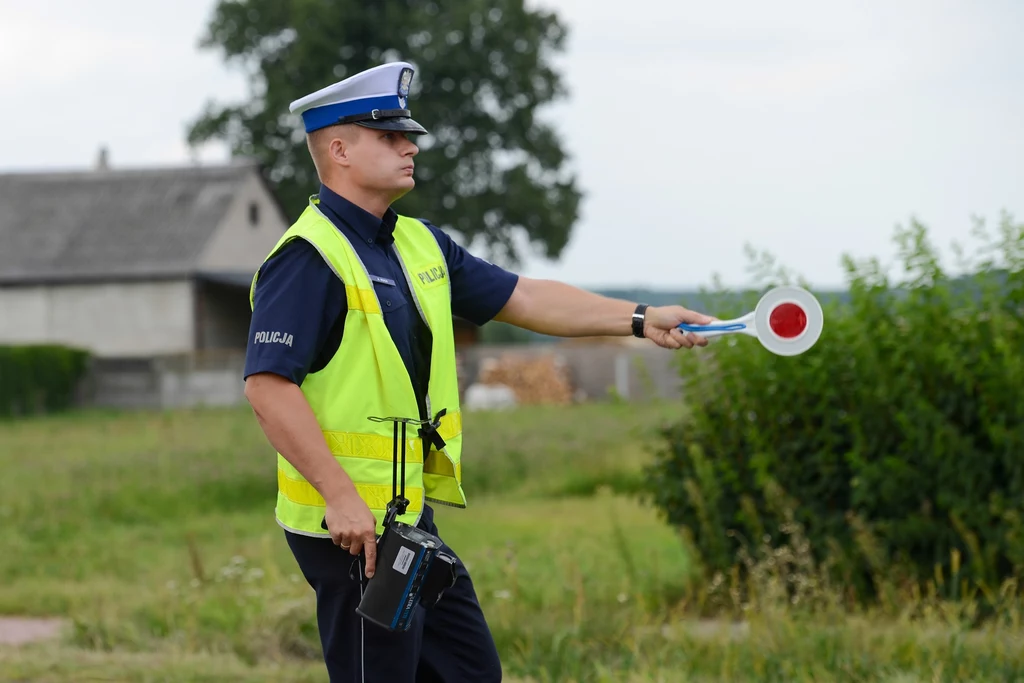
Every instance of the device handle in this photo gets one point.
(719, 327)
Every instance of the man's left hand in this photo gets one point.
(662, 327)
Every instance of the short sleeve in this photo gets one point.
(480, 289)
(297, 300)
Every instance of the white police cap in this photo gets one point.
(375, 98)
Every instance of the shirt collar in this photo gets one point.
(363, 223)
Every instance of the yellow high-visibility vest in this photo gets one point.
(366, 379)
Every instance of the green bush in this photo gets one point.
(42, 378)
(898, 439)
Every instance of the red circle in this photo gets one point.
(788, 320)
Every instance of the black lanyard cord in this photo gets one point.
(398, 498)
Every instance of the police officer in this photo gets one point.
(352, 319)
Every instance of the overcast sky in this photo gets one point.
(806, 128)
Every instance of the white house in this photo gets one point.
(146, 268)
(133, 263)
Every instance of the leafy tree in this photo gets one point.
(489, 170)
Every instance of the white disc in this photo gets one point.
(793, 333)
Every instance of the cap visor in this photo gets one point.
(402, 124)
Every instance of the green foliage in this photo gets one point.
(489, 168)
(154, 538)
(42, 378)
(897, 440)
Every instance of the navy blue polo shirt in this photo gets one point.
(300, 304)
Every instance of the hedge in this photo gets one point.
(898, 440)
(39, 378)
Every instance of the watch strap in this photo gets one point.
(639, 317)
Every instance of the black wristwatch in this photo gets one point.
(639, 316)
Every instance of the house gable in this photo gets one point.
(249, 229)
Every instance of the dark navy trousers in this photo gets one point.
(448, 643)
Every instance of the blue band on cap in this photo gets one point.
(321, 117)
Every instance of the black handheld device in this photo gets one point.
(411, 568)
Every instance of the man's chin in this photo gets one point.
(402, 189)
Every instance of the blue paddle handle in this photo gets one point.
(732, 327)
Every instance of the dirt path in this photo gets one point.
(21, 630)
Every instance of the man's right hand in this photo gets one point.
(292, 428)
(353, 527)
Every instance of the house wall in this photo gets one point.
(239, 244)
(117, 319)
(208, 378)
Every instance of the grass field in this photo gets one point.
(153, 534)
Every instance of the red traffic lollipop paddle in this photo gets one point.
(787, 321)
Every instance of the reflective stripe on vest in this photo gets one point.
(344, 446)
(367, 378)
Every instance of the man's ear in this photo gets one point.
(341, 144)
(338, 150)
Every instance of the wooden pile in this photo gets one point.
(534, 380)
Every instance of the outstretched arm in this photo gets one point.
(558, 309)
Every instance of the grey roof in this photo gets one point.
(111, 224)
